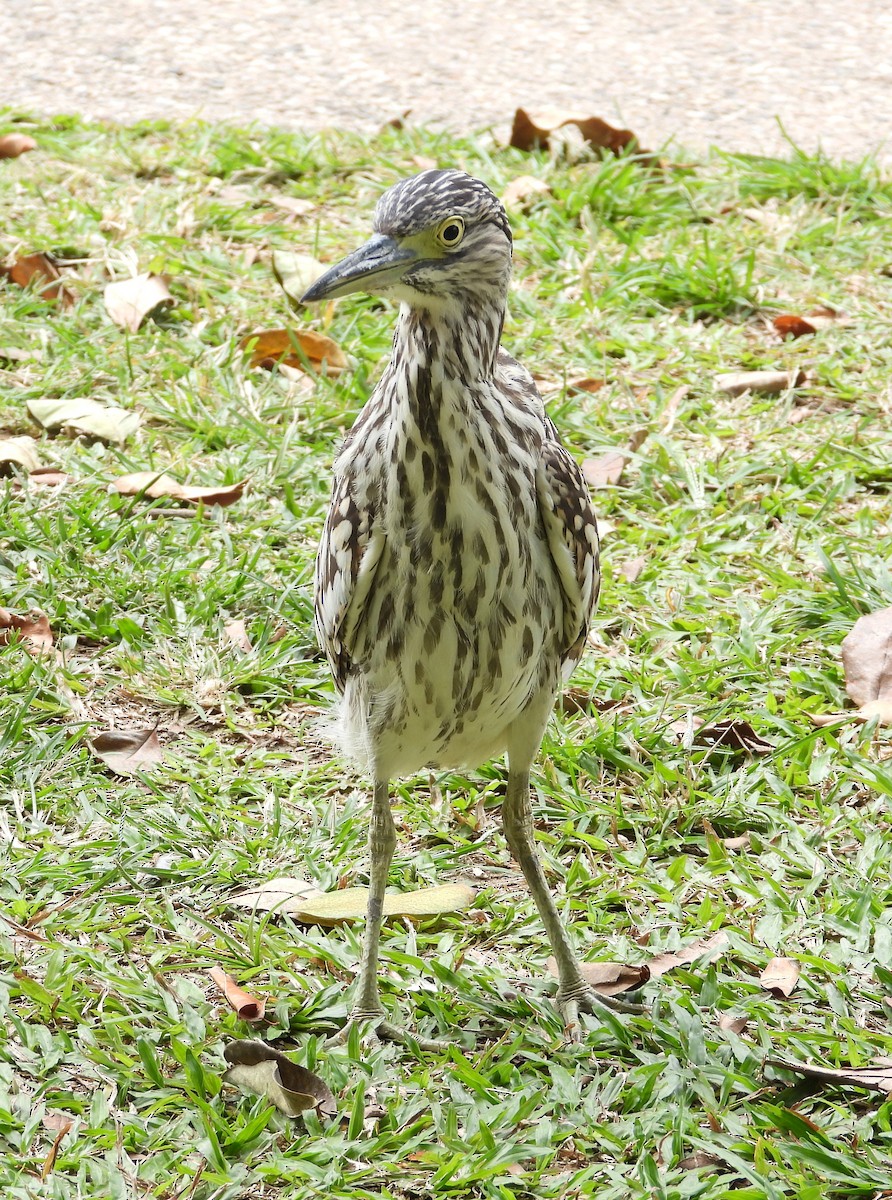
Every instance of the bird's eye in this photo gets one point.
(451, 232)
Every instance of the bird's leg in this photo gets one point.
(574, 993)
(367, 1007)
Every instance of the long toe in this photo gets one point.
(376, 1028)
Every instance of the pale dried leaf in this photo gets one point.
(769, 382)
(523, 190)
(670, 412)
(264, 1071)
(19, 450)
(14, 144)
(297, 348)
(732, 734)
(876, 1077)
(49, 477)
(732, 1024)
(350, 904)
(608, 978)
(606, 470)
(237, 634)
(867, 657)
(780, 976)
(57, 1121)
(703, 948)
(129, 301)
(127, 752)
(106, 422)
(632, 568)
(294, 274)
(157, 486)
(282, 894)
(698, 1161)
(246, 1006)
(297, 206)
(33, 629)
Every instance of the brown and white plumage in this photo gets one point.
(458, 567)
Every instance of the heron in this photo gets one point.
(458, 566)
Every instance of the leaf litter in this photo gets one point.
(246, 1006)
(130, 301)
(40, 271)
(780, 976)
(157, 486)
(260, 1069)
(33, 629)
(875, 1077)
(127, 752)
(305, 903)
(299, 348)
(106, 422)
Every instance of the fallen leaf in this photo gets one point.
(586, 385)
(34, 630)
(238, 635)
(157, 486)
(867, 657)
(780, 976)
(605, 471)
(103, 421)
(608, 978)
(698, 1161)
(41, 271)
(875, 710)
(424, 162)
(705, 948)
(296, 205)
(523, 190)
(670, 412)
(267, 1072)
(14, 144)
(272, 346)
(294, 274)
(736, 843)
(790, 326)
(732, 1024)
(19, 450)
(350, 904)
(62, 1125)
(732, 734)
(12, 354)
(769, 382)
(247, 1007)
(534, 132)
(632, 568)
(876, 1077)
(57, 1121)
(49, 477)
(126, 752)
(129, 301)
(283, 893)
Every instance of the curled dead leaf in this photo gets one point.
(284, 893)
(129, 301)
(157, 486)
(608, 978)
(21, 451)
(707, 949)
(14, 144)
(294, 274)
(237, 635)
(246, 1006)
(49, 477)
(33, 629)
(867, 657)
(875, 1077)
(606, 470)
(264, 1071)
(126, 752)
(732, 1024)
(732, 734)
(789, 325)
(530, 132)
(300, 348)
(770, 382)
(103, 421)
(40, 271)
(780, 977)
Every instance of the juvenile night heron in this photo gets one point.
(458, 567)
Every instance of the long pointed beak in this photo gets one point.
(382, 260)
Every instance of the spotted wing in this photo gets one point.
(346, 562)
(572, 533)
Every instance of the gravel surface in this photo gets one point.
(703, 71)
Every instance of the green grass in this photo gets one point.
(764, 522)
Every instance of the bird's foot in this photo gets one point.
(584, 999)
(376, 1028)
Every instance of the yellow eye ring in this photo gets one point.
(451, 232)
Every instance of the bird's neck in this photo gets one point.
(450, 340)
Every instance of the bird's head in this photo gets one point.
(440, 237)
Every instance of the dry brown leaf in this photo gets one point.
(522, 191)
(733, 1024)
(237, 634)
(670, 412)
(632, 568)
(736, 843)
(769, 382)
(530, 132)
(49, 477)
(586, 385)
(157, 486)
(698, 1161)
(41, 271)
(19, 450)
(780, 976)
(788, 325)
(127, 752)
(732, 734)
(33, 630)
(867, 657)
(61, 1124)
(606, 470)
(57, 1121)
(705, 948)
(129, 301)
(14, 144)
(246, 1006)
(876, 1077)
(272, 346)
(875, 710)
(608, 978)
(264, 1071)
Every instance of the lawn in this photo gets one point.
(745, 537)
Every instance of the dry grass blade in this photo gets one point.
(264, 1071)
(127, 752)
(248, 1007)
(129, 301)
